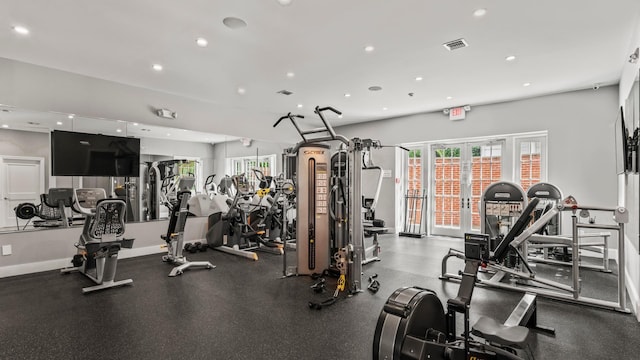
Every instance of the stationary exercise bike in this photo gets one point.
(413, 324)
(101, 240)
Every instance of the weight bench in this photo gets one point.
(515, 330)
(375, 248)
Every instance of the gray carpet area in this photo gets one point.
(245, 310)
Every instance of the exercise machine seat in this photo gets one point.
(494, 332)
(108, 220)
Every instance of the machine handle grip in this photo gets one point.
(288, 116)
(329, 108)
(282, 118)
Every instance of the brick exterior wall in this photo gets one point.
(485, 171)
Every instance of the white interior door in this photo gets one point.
(22, 180)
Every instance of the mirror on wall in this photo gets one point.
(26, 174)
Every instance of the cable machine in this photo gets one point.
(316, 251)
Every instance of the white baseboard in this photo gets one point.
(22, 269)
(30, 268)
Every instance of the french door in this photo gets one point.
(459, 174)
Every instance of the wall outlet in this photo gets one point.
(6, 250)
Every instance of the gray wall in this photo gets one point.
(170, 148)
(25, 143)
(580, 139)
(235, 148)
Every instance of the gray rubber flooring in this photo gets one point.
(244, 310)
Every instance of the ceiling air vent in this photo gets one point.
(285, 92)
(455, 44)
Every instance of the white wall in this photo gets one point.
(235, 148)
(629, 188)
(580, 138)
(35, 87)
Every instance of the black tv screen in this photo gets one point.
(623, 156)
(82, 154)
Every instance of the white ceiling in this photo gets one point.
(559, 46)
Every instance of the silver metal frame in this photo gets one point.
(549, 288)
(353, 248)
(176, 245)
(105, 270)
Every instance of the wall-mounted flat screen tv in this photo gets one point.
(82, 154)
(623, 160)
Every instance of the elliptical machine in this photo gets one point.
(101, 240)
(238, 230)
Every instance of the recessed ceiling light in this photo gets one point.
(480, 12)
(135, 124)
(510, 58)
(242, 91)
(340, 116)
(290, 74)
(299, 106)
(71, 116)
(526, 84)
(369, 48)
(284, 2)
(418, 78)
(21, 30)
(59, 123)
(5, 126)
(385, 108)
(234, 23)
(347, 95)
(157, 67)
(202, 42)
(449, 97)
(119, 130)
(168, 134)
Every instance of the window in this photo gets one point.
(414, 178)
(193, 167)
(530, 161)
(246, 164)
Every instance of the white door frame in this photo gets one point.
(4, 159)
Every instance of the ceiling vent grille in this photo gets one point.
(285, 92)
(455, 44)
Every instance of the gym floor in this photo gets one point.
(244, 310)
